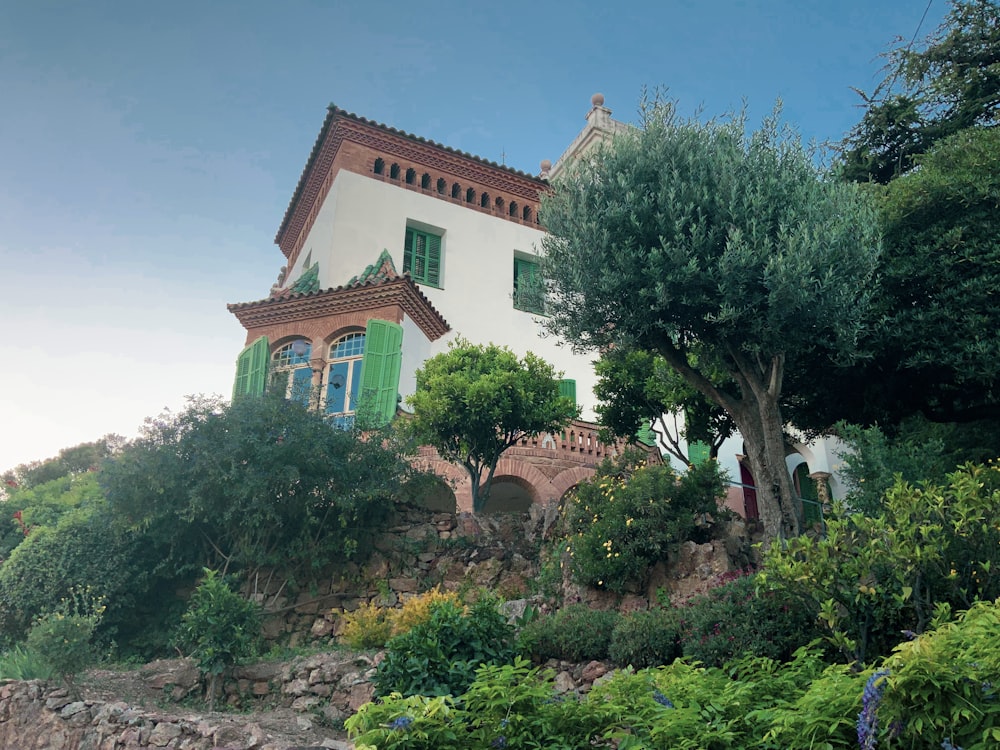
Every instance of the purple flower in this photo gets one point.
(868, 718)
(946, 745)
(662, 699)
(401, 722)
(500, 741)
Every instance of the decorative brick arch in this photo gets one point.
(570, 478)
(510, 466)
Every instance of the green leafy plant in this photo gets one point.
(20, 663)
(627, 517)
(646, 638)
(574, 633)
(219, 627)
(440, 656)
(63, 639)
(873, 578)
(735, 619)
(943, 685)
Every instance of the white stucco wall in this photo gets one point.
(362, 216)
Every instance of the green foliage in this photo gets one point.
(939, 688)
(411, 723)
(260, 482)
(441, 655)
(637, 387)
(62, 639)
(473, 402)
(82, 549)
(220, 627)
(574, 633)
(735, 619)
(647, 638)
(71, 462)
(874, 577)
(873, 461)
(686, 237)
(19, 663)
(30, 507)
(943, 685)
(627, 516)
(931, 90)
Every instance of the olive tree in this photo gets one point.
(685, 235)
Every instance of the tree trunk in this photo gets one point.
(759, 422)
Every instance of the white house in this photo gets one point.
(394, 245)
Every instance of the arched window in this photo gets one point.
(456, 190)
(441, 185)
(379, 166)
(470, 195)
(498, 206)
(526, 214)
(425, 181)
(484, 201)
(292, 370)
(394, 171)
(411, 176)
(343, 378)
(513, 209)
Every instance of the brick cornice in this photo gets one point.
(380, 140)
(401, 292)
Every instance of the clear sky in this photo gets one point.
(148, 150)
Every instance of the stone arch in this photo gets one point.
(456, 191)
(379, 166)
(431, 492)
(394, 172)
(442, 185)
(411, 176)
(425, 181)
(509, 494)
(570, 478)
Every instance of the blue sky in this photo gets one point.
(148, 151)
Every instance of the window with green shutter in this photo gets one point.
(251, 369)
(568, 388)
(380, 368)
(699, 452)
(529, 289)
(422, 256)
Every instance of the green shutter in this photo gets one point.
(251, 369)
(433, 260)
(699, 452)
(380, 372)
(408, 252)
(568, 388)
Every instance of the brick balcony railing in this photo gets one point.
(578, 442)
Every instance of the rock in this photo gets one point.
(564, 683)
(633, 603)
(361, 694)
(593, 670)
(163, 733)
(321, 628)
(181, 673)
(403, 585)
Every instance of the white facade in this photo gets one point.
(362, 216)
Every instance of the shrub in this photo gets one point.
(574, 633)
(646, 639)
(417, 609)
(368, 626)
(63, 639)
(943, 686)
(220, 627)
(624, 520)
(734, 620)
(440, 656)
(872, 578)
